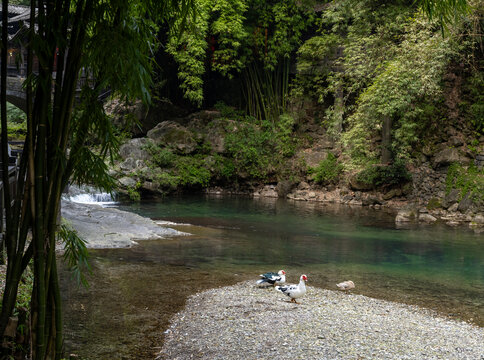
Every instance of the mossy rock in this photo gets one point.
(434, 203)
(175, 136)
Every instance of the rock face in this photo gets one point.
(448, 156)
(136, 118)
(135, 149)
(267, 191)
(172, 134)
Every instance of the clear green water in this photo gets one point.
(135, 291)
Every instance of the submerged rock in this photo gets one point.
(111, 228)
(406, 215)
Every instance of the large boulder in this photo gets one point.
(127, 182)
(215, 135)
(465, 204)
(137, 118)
(173, 135)
(136, 149)
(267, 191)
(358, 185)
(451, 198)
(408, 214)
(448, 156)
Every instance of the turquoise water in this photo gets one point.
(134, 292)
(299, 234)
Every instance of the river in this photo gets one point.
(134, 292)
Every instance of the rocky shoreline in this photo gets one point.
(245, 322)
(424, 199)
(112, 228)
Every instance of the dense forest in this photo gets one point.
(381, 86)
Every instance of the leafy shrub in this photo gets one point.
(192, 171)
(164, 158)
(285, 142)
(468, 181)
(224, 167)
(228, 112)
(250, 147)
(133, 192)
(168, 180)
(328, 170)
(385, 175)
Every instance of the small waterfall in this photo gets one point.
(88, 195)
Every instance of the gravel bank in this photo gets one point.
(245, 322)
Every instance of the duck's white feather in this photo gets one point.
(294, 291)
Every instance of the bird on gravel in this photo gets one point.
(272, 278)
(346, 286)
(294, 291)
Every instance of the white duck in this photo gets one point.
(346, 286)
(294, 291)
(272, 278)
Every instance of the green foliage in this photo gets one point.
(164, 158)
(76, 255)
(285, 142)
(229, 112)
(192, 171)
(228, 36)
(15, 115)
(385, 175)
(249, 144)
(469, 180)
(445, 11)
(314, 62)
(168, 180)
(328, 170)
(401, 91)
(224, 167)
(25, 290)
(473, 106)
(228, 28)
(276, 28)
(189, 52)
(434, 203)
(16, 122)
(133, 192)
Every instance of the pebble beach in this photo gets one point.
(247, 322)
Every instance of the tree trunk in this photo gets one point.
(338, 110)
(386, 142)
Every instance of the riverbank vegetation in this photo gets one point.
(357, 94)
(383, 87)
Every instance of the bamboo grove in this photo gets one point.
(112, 41)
